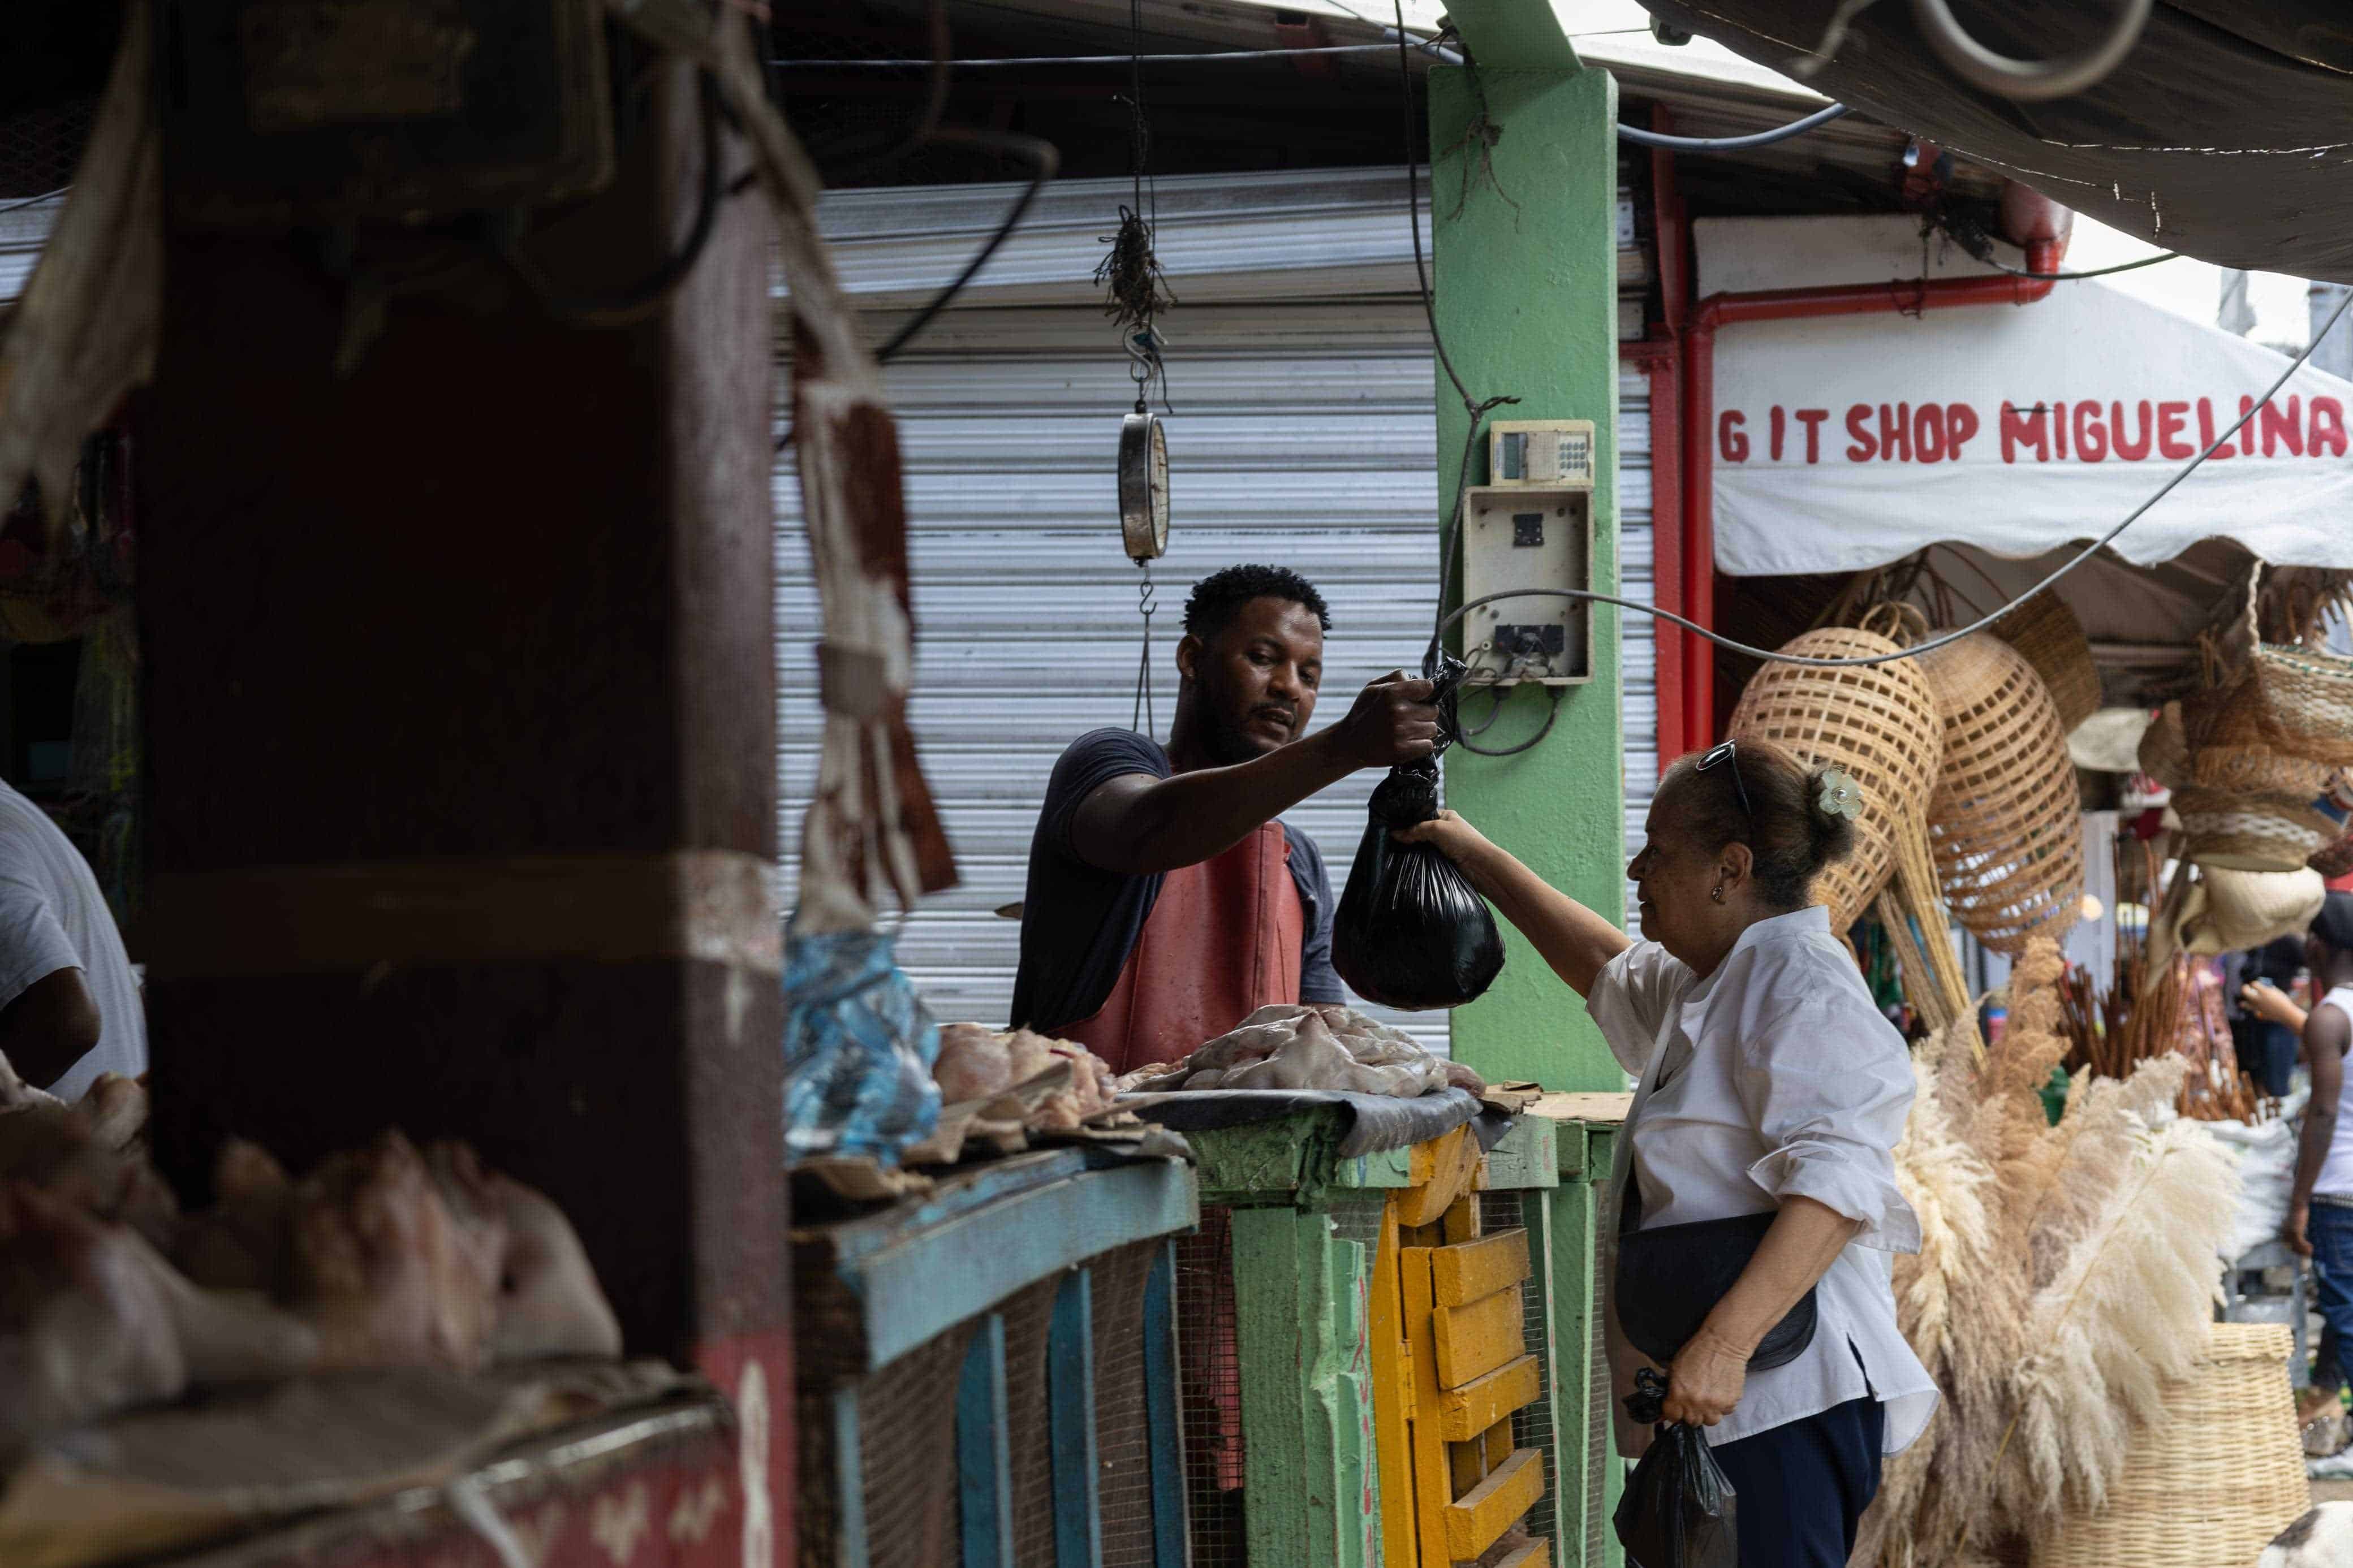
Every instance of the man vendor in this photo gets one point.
(1167, 900)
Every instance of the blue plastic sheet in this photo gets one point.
(858, 1049)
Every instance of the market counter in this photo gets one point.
(987, 1372)
(657, 1484)
(1305, 1346)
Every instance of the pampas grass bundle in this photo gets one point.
(2065, 1275)
(2125, 1314)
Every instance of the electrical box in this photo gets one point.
(1532, 528)
(1540, 452)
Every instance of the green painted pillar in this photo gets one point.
(1526, 282)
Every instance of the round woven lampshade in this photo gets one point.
(2004, 821)
(2047, 631)
(1878, 722)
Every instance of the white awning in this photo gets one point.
(1849, 442)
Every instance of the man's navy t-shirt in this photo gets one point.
(1079, 922)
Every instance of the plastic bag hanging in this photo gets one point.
(1411, 932)
(1679, 1511)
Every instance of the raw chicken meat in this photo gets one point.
(976, 1063)
(246, 1240)
(60, 1148)
(1323, 1045)
(548, 1300)
(389, 1276)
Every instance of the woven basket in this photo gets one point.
(2211, 1486)
(2047, 631)
(2243, 832)
(2005, 821)
(1877, 722)
(2164, 752)
(2307, 707)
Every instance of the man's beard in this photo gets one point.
(1230, 743)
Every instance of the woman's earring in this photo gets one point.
(1718, 894)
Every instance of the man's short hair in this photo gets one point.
(1220, 596)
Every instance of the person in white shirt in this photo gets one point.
(1767, 1084)
(69, 1004)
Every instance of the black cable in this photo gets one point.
(1998, 265)
(1130, 59)
(633, 300)
(1044, 159)
(61, 190)
(1552, 716)
(1641, 138)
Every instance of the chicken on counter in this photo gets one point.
(380, 1258)
(979, 1063)
(1322, 1046)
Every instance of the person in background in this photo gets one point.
(1166, 898)
(2320, 1207)
(2265, 1040)
(1769, 1083)
(69, 1004)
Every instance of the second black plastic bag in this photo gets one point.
(1679, 1512)
(1412, 932)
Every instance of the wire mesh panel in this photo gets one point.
(907, 1453)
(1209, 1368)
(1532, 1425)
(40, 145)
(1028, 1438)
(1598, 1454)
(1123, 1424)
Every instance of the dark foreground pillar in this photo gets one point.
(461, 752)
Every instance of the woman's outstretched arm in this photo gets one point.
(1573, 938)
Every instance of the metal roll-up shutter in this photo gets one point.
(1303, 435)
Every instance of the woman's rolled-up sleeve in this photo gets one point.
(1630, 999)
(1829, 1094)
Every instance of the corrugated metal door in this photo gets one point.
(1303, 435)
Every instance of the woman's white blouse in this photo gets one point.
(1775, 1077)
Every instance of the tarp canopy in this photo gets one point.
(1849, 442)
(2222, 134)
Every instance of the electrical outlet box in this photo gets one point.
(1540, 452)
(1529, 536)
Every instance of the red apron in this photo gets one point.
(1222, 941)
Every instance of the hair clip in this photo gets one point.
(1840, 796)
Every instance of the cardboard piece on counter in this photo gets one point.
(859, 1180)
(1511, 1098)
(156, 1479)
(1589, 1107)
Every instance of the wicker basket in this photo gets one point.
(2047, 631)
(1877, 722)
(2005, 819)
(2212, 1485)
(2306, 704)
(2243, 832)
(2164, 752)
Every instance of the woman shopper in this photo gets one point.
(1768, 1085)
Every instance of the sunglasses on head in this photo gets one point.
(1728, 753)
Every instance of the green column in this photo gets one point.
(1526, 286)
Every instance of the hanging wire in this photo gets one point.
(1999, 265)
(1821, 117)
(1144, 721)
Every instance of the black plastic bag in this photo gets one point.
(1678, 1512)
(1411, 932)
